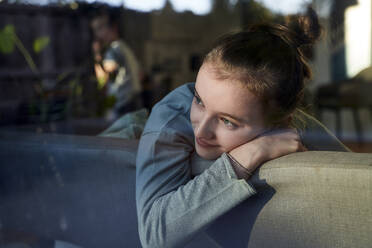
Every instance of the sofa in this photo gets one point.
(81, 189)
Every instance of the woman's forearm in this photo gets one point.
(266, 147)
(172, 207)
(173, 219)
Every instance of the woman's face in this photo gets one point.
(224, 114)
(101, 29)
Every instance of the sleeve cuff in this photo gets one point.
(234, 175)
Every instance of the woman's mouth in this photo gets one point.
(203, 143)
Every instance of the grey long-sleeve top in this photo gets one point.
(178, 194)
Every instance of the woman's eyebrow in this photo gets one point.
(241, 120)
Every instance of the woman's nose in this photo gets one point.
(205, 129)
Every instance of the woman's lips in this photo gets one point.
(201, 142)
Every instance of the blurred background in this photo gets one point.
(49, 81)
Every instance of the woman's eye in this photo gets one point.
(228, 123)
(198, 101)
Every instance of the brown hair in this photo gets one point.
(268, 59)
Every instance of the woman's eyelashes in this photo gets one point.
(198, 100)
(228, 123)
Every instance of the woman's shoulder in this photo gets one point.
(179, 98)
(173, 111)
(314, 135)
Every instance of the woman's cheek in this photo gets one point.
(230, 139)
(227, 139)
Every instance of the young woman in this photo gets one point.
(203, 141)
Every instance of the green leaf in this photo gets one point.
(40, 43)
(7, 39)
(9, 29)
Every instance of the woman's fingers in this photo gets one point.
(302, 148)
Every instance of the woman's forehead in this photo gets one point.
(225, 96)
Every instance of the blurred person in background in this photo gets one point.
(116, 67)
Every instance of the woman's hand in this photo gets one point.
(267, 147)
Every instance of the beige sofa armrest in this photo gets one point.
(317, 199)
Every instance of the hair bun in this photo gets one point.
(306, 27)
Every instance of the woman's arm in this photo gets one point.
(266, 147)
(171, 206)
